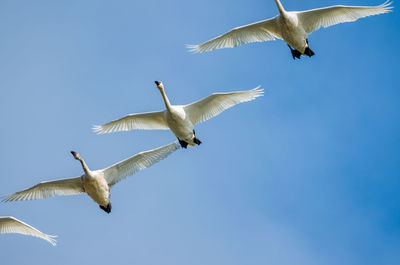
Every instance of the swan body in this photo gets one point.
(291, 26)
(9, 224)
(179, 123)
(95, 183)
(97, 188)
(180, 119)
(291, 32)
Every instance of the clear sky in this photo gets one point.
(307, 174)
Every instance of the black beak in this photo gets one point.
(157, 83)
(73, 153)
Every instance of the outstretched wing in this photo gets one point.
(129, 166)
(47, 189)
(257, 32)
(140, 121)
(213, 105)
(9, 224)
(329, 16)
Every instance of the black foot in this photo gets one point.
(308, 52)
(183, 143)
(196, 141)
(295, 53)
(106, 209)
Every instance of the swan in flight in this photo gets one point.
(96, 183)
(291, 26)
(9, 224)
(180, 119)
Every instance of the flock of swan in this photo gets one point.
(291, 26)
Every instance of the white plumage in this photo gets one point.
(130, 166)
(293, 27)
(95, 183)
(45, 189)
(140, 121)
(9, 224)
(213, 105)
(265, 30)
(180, 119)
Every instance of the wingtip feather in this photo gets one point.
(5, 198)
(258, 92)
(51, 239)
(193, 48)
(386, 7)
(98, 129)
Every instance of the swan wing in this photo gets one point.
(256, 32)
(213, 105)
(131, 165)
(9, 224)
(329, 16)
(47, 189)
(141, 121)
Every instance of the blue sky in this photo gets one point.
(307, 174)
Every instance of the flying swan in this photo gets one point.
(180, 119)
(291, 26)
(96, 183)
(9, 224)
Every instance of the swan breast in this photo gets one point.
(179, 122)
(97, 188)
(292, 31)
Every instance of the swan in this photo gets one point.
(291, 26)
(96, 183)
(180, 119)
(9, 224)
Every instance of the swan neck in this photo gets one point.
(85, 168)
(280, 6)
(166, 100)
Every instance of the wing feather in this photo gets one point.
(70, 186)
(256, 32)
(130, 166)
(213, 105)
(314, 19)
(141, 121)
(9, 224)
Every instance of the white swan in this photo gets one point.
(180, 119)
(9, 224)
(96, 183)
(291, 26)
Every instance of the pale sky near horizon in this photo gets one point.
(307, 174)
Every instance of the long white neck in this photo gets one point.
(87, 171)
(166, 100)
(280, 6)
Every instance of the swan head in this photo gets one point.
(159, 85)
(76, 155)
